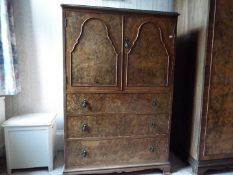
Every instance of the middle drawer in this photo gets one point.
(116, 125)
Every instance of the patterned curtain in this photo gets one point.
(9, 73)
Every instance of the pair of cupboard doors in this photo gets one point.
(115, 51)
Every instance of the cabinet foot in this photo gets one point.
(198, 171)
(166, 170)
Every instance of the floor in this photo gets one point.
(179, 168)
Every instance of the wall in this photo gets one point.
(192, 30)
(198, 22)
(38, 25)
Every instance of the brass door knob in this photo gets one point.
(126, 43)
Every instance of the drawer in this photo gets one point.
(117, 103)
(116, 125)
(92, 153)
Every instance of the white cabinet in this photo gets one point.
(29, 141)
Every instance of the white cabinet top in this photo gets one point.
(32, 119)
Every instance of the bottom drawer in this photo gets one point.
(122, 151)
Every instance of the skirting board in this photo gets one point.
(59, 143)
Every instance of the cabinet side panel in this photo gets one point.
(218, 106)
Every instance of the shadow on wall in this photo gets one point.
(184, 81)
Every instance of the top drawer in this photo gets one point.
(117, 103)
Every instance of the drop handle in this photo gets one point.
(126, 43)
(152, 148)
(152, 125)
(84, 127)
(84, 153)
(154, 103)
(84, 103)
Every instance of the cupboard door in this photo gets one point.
(148, 51)
(93, 51)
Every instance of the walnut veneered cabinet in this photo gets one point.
(118, 89)
(210, 139)
(216, 137)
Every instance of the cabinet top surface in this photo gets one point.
(32, 119)
(112, 9)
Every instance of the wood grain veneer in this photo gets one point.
(113, 125)
(118, 103)
(116, 152)
(217, 113)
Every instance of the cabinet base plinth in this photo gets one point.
(164, 167)
(202, 166)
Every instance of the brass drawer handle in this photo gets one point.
(152, 148)
(126, 43)
(84, 103)
(154, 103)
(152, 125)
(84, 127)
(84, 152)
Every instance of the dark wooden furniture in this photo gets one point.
(211, 145)
(118, 89)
